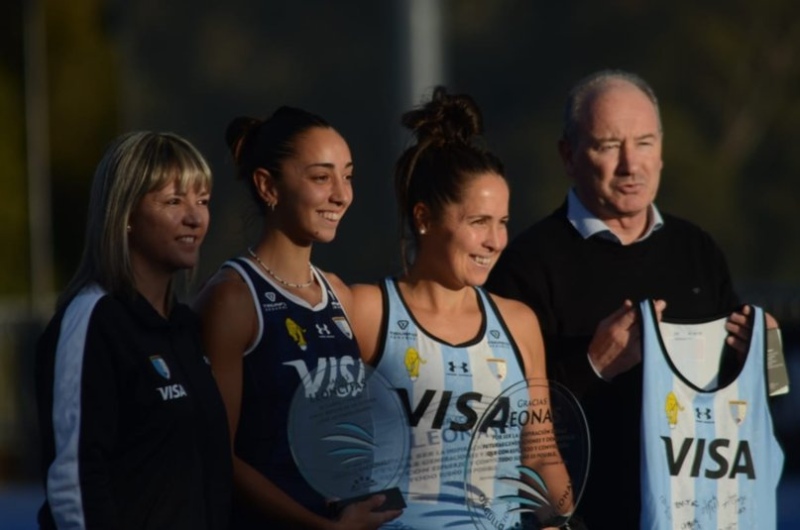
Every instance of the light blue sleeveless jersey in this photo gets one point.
(710, 459)
(445, 389)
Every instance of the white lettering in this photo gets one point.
(170, 392)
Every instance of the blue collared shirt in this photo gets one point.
(587, 224)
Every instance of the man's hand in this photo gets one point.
(740, 327)
(616, 346)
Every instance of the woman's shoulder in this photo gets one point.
(225, 288)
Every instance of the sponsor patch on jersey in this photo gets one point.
(671, 407)
(458, 368)
(738, 411)
(344, 326)
(498, 367)
(335, 304)
(271, 304)
(703, 415)
(296, 333)
(170, 392)
(323, 331)
(161, 366)
(413, 362)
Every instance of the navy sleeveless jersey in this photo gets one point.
(710, 459)
(431, 375)
(293, 340)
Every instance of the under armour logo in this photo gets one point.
(702, 414)
(464, 367)
(322, 329)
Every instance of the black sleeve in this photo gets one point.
(85, 423)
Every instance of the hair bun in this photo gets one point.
(237, 131)
(447, 118)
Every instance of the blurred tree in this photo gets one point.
(727, 77)
(14, 278)
(83, 86)
(734, 96)
(82, 77)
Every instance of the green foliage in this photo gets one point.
(728, 81)
(14, 279)
(83, 77)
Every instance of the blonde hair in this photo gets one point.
(135, 164)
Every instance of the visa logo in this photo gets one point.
(719, 450)
(169, 392)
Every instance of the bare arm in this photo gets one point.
(539, 449)
(367, 315)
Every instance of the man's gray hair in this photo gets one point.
(590, 86)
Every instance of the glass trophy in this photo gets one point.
(348, 435)
(528, 458)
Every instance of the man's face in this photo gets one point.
(616, 159)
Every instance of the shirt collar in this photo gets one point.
(588, 225)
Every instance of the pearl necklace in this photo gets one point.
(309, 283)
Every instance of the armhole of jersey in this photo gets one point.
(644, 315)
(384, 327)
(238, 266)
(502, 323)
(482, 305)
(760, 320)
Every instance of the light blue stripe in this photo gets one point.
(63, 480)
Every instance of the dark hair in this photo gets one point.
(592, 85)
(446, 156)
(256, 143)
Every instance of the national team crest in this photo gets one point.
(160, 365)
(738, 411)
(498, 367)
(344, 326)
(296, 333)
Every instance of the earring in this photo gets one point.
(128, 228)
(422, 231)
(272, 205)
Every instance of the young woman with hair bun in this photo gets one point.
(270, 316)
(433, 332)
